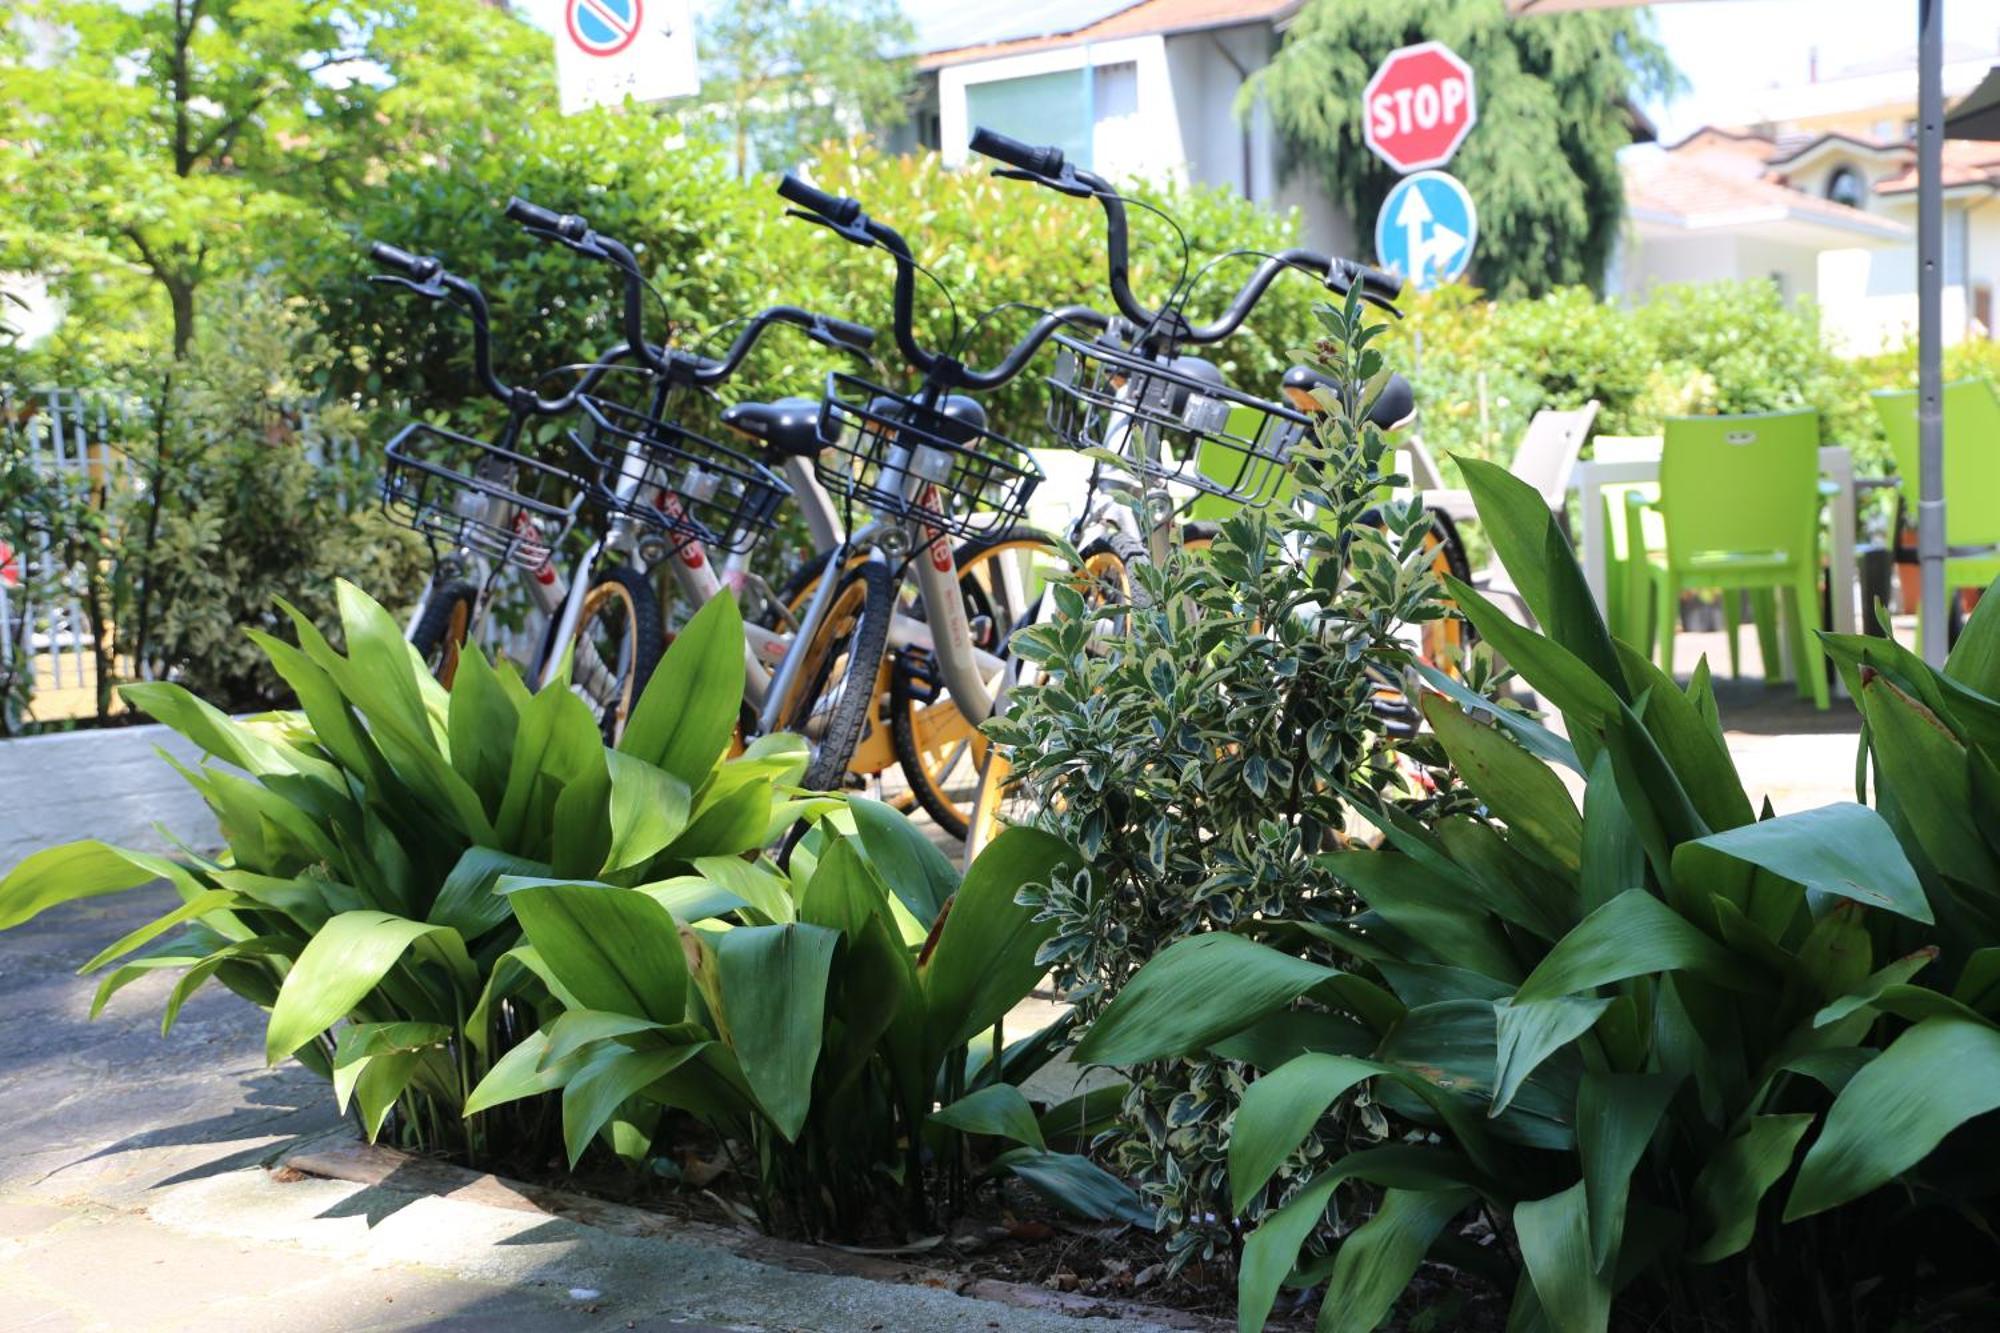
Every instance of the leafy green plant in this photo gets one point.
(1199, 747)
(1652, 1043)
(366, 832)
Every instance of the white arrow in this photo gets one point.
(1412, 218)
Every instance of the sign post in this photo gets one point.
(608, 50)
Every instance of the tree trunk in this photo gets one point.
(181, 294)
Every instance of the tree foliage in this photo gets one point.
(1542, 164)
(785, 75)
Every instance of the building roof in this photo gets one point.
(1077, 21)
(1967, 162)
(1702, 191)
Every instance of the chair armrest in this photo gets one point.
(1457, 504)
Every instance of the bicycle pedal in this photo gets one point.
(982, 631)
(917, 675)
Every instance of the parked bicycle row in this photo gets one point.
(886, 646)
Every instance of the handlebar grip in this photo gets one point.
(421, 268)
(834, 208)
(1037, 161)
(566, 225)
(1374, 281)
(858, 336)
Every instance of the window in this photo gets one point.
(1069, 108)
(1844, 186)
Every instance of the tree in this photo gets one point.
(786, 75)
(167, 139)
(1555, 99)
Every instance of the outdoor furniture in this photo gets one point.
(1619, 607)
(1545, 459)
(1740, 501)
(1971, 474)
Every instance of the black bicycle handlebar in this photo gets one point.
(417, 268)
(837, 209)
(1047, 161)
(566, 226)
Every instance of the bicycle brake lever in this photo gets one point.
(1063, 184)
(855, 234)
(433, 290)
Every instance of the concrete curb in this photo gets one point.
(104, 783)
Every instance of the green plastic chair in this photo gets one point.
(1971, 473)
(1740, 499)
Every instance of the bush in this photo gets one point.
(1621, 1035)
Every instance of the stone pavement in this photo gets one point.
(133, 1196)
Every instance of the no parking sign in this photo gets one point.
(608, 50)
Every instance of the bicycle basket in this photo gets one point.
(670, 478)
(478, 496)
(906, 460)
(1169, 423)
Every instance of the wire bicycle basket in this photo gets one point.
(671, 478)
(1169, 424)
(477, 496)
(903, 459)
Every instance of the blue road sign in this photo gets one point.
(1426, 229)
(603, 27)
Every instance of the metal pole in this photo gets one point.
(1930, 302)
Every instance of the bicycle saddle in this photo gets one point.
(788, 427)
(962, 416)
(1391, 411)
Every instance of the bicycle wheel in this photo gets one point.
(834, 692)
(617, 644)
(441, 629)
(939, 751)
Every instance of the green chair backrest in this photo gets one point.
(1741, 484)
(1223, 464)
(1971, 456)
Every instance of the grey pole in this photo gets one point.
(1930, 340)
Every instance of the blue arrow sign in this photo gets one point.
(1426, 229)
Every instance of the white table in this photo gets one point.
(1836, 463)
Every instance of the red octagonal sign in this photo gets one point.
(1419, 107)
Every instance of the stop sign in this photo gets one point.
(1419, 107)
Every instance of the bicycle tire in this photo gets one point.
(1109, 563)
(856, 628)
(622, 590)
(915, 718)
(441, 629)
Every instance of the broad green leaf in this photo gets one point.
(468, 902)
(684, 718)
(773, 982)
(1535, 738)
(520, 1073)
(613, 949)
(1616, 1115)
(575, 1029)
(982, 958)
(1831, 1069)
(346, 960)
(1932, 1079)
(1078, 1184)
(1842, 849)
(608, 1075)
(1448, 1054)
(844, 893)
(908, 862)
(1517, 888)
(1979, 982)
(733, 824)
(1692, 746)
(333, 722)
(1428, 908)
(1586, 698)
(1527, 1034)
(998, 1110)
(1520, 790)
(649, 809)
(376, 1061)
(690, 898)
(225, 738)
(1279, 1110)
(68, 872)
(1733, 1182)
(1613, 858)
(755, 882)
(209, 900)
(1554, 1236)
(556, 745)
(481, 725)
(1380, 1257)
(1631, 936)
(1193, 993)
(1871, 989)
(1923, 764)
(1974, 660)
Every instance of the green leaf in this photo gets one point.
(1616, 1115)
(1078, 1184)
(520, 1073)
(683, 720)
(1558, 675)
(1932, 1079)
(1633, 935)
(759, 886)
(908, 862)
(1554, 1236)
(209, 900)
(1520, 790)
(71, 871)
(346, 960)
(1429, 908)
(1923, 765)
(1193, 993)
(1842, 849)
(468, 902)
(649, 809)
(1535, 738)
(1974, 660)
(774, 981)
(1279, 1110)
(998, 1110)
(982, 962)
(727, 826)
(617, 950)
(574, 1029)
(480, 727)
(1528, 1034)
(376, 1062)
(1871, 989)
(1735, 1179)
(1380, 1257)
(1613, 858)
(608, 1075)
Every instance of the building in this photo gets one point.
(1127, 88)
(1818, 194)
